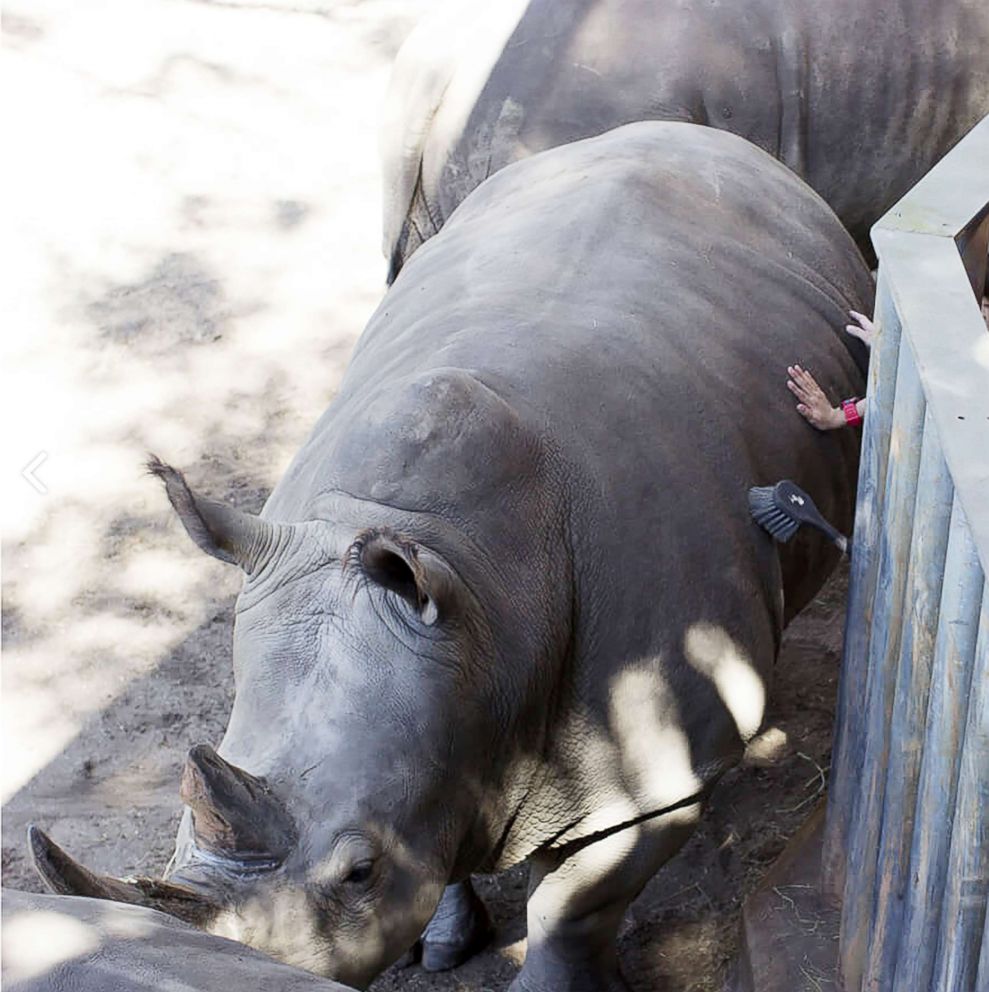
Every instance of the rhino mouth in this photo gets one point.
(237, 865)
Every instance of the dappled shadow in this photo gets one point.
(682, 931)
(178, 302)
(290, 214)
(197, 253)
(118, 653)
(199, 276)
(111, 794)
(127, 665)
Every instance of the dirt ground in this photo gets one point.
(192, 251)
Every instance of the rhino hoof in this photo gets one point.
(459, 930)
(443, 957)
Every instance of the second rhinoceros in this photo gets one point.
(858, 97)
(61, 944)
(507, 604)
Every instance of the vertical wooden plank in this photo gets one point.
(982, 981)
(951, 677)
(850, 713)
(883, 655)
(922, 600)
(963, 913)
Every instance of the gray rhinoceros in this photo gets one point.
(507, 604)
(58, 944)
(858, 97)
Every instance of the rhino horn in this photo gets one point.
(221, 531)
(234, 813)
(65, 876)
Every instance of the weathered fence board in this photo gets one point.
(963, 914)
(951, 675)
(884, 647)
(922, 599)
(982, 980)
(850, 714)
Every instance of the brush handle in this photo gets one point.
(834, 536)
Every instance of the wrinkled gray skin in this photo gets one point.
(58, 944)
(507, 603)
(858, 97)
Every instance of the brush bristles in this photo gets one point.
(778, 524)
(769, 516)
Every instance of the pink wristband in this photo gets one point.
(852, 416)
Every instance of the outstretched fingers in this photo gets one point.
(863, 328)
(813, 404)
(802, 384)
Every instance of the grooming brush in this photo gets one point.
(782, 509)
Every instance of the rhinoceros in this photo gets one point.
(507, 603)
(60, 944)
(858, 97)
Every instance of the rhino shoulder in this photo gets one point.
(441, 435)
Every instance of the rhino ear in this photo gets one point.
(411, 571)
(65, 876)
(221, 531)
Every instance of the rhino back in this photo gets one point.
(585, 372)
(75, 944)
(859, 99)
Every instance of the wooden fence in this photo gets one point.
(907, 836)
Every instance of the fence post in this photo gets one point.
(922, 598)
(963, 913)
(982, 980)
(884, 648)
(850, 712)
(951, 678)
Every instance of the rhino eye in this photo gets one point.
(359, 874)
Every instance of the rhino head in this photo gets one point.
(325, 827)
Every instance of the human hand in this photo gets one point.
(863, 328)
(814, 406)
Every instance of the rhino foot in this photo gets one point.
(458, 930)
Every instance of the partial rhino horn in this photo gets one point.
(221, 531)
(65, 876)
(234, 812)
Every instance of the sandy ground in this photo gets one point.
(192, 249)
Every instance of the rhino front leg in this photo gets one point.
(576, 904)
(460, 927)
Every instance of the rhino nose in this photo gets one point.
(234, 813)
